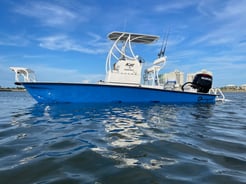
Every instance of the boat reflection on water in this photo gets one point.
(129, 134)
(132, 129)
(137, 125)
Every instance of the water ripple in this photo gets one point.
(122, 143)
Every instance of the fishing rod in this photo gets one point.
(164, 44)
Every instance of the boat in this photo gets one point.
(127, 80)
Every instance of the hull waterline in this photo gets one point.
(44, 92)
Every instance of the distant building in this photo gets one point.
(231, 86)
(175, 77)
(190, 77)
(243, 86)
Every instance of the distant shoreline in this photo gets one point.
(233, 91)
(13, 89)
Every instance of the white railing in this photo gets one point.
(220, 96)
(23, 74)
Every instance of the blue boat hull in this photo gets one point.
(44, 92)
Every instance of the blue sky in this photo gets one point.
(66, 40)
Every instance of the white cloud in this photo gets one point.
(205, 32)
(46, 73)
(215, 37)
(49, 14)
(174, 6)
(226, 21)
(13, 40)
(222, 10)
(64, 43)
(49, 74)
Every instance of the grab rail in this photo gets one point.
(219, 94)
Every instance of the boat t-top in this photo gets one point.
(127, 80)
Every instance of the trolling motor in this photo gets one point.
(202, 82)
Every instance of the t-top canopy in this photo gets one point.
(135, 38)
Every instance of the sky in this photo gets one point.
(66, 40)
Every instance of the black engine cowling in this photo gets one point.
(202, 82)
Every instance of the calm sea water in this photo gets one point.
(122, 143)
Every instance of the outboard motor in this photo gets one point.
(202, 82)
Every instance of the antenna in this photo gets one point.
(164, 44)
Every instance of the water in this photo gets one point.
(122, 143)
